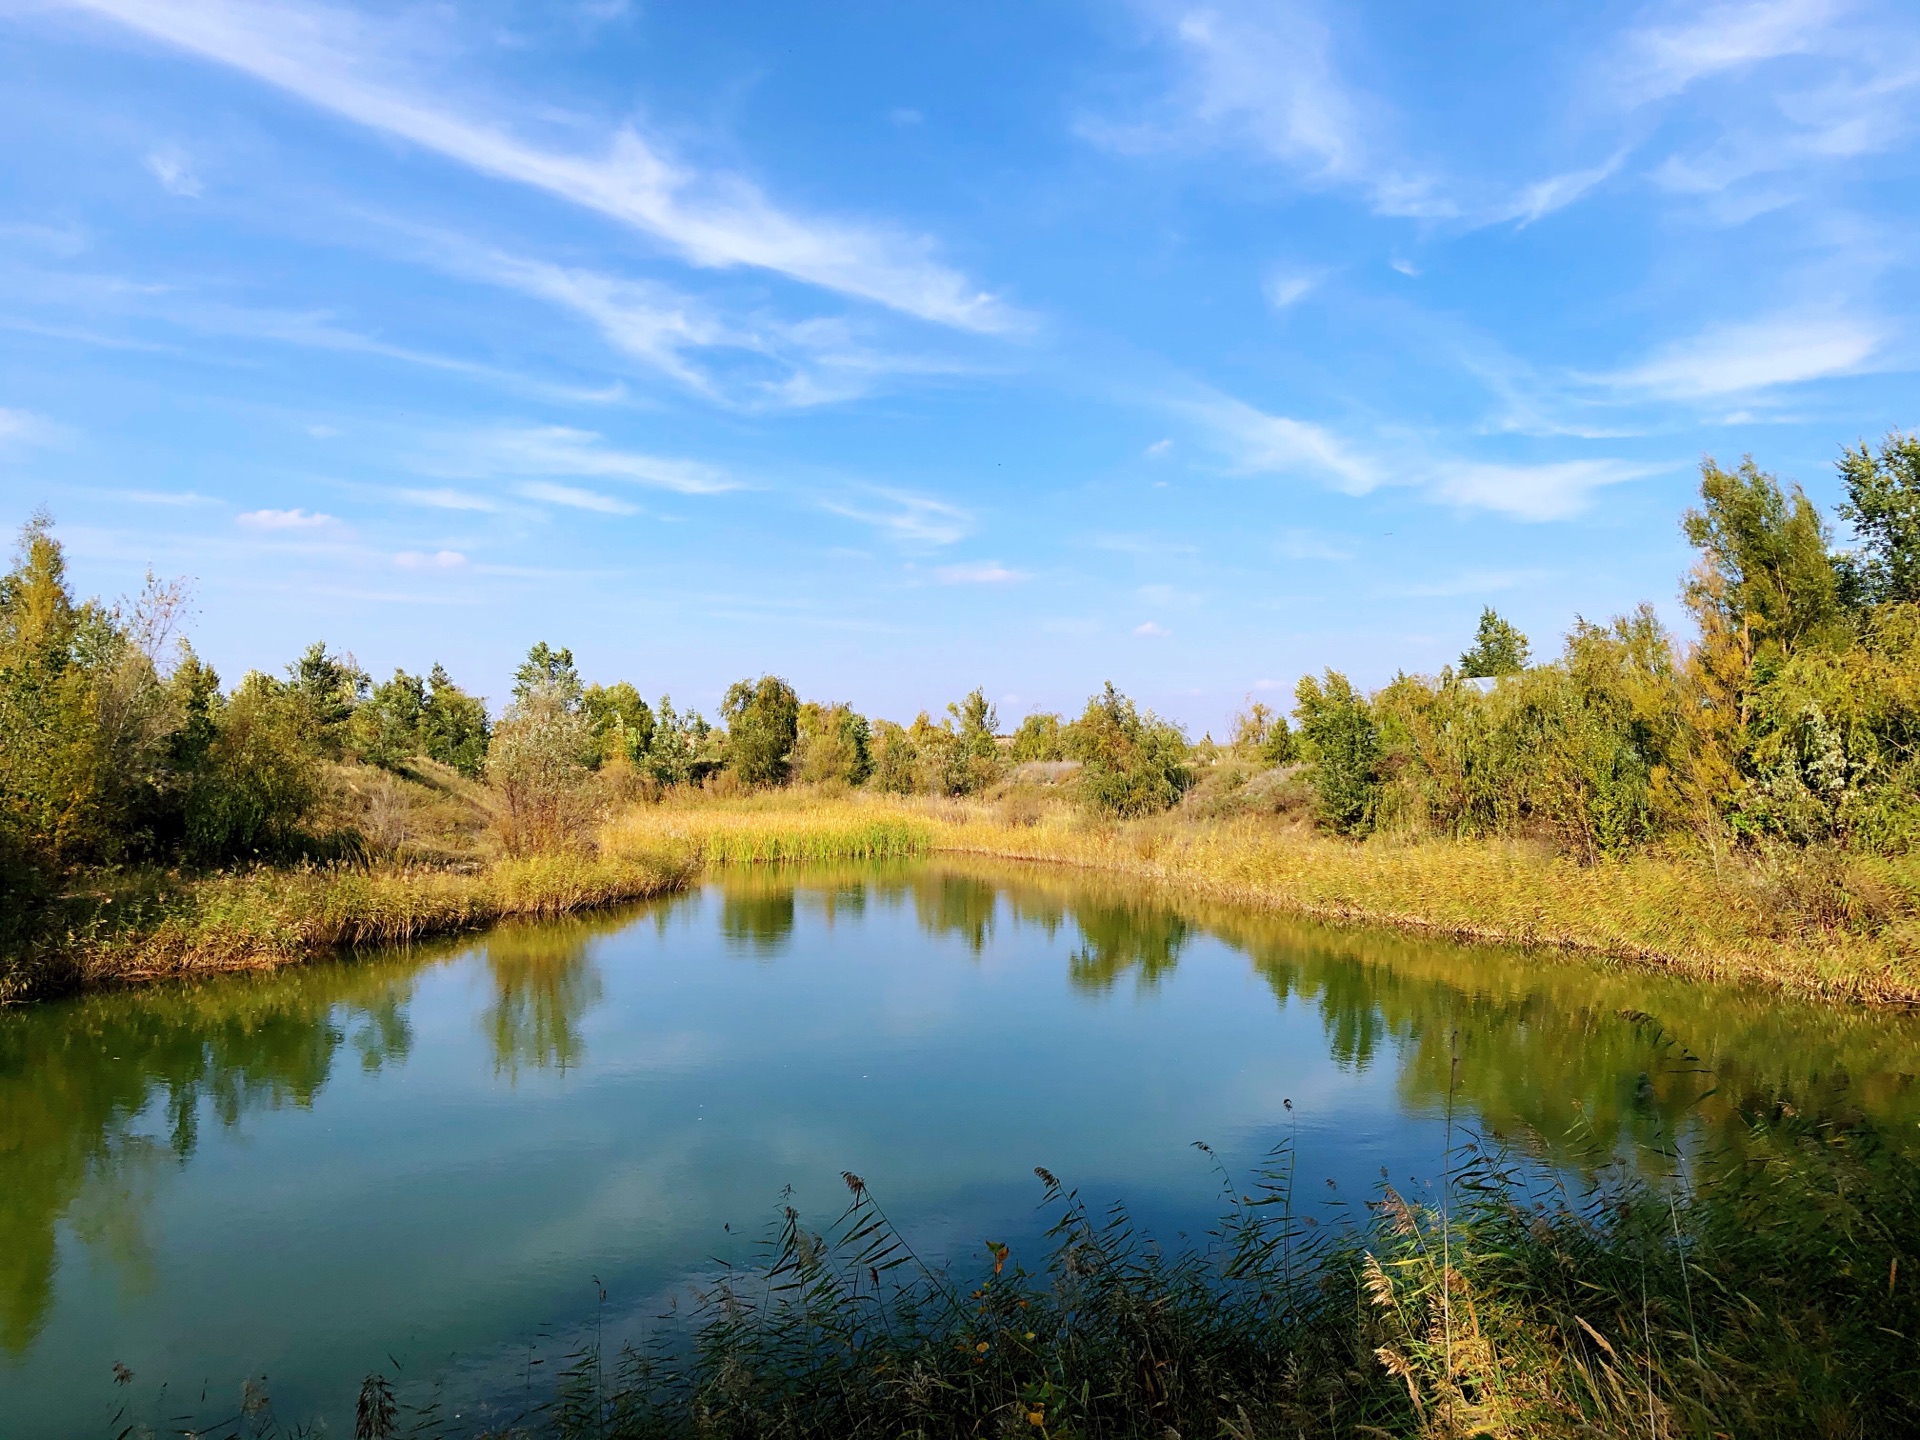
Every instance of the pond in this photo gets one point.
(457, 1161)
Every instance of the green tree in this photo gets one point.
(1883, 507)
(259, 779)
(454, 726)
(973, 759)
(387, 726)
(1341, 739)
(1263, 733)
(1131, 763)
(763, 722)
(621, 721)
(326, 688)
(538, 764)
(834, 744)
(54, 765)
(685, 748)
(1498, 649)
(1038, 737)
(896, 759)
(1765, 575)
(549, 671)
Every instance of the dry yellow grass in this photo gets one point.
(1819, 925)
(1813, 925)
(152, 925)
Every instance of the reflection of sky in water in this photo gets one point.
(430, 1157)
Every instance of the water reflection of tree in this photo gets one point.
(757, 919)
(544, 984)
(957, 905)
(1115, 939)
(83, 1081)
(1577, 1060)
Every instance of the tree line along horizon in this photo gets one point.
(1791, 717)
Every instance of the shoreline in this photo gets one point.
(1673, 914)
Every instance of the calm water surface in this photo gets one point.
(439, 1159)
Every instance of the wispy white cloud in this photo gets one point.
(1294, 544)
(444, 498)
(559, 450)
(910, 519)
(1750, 356)
(1554, 491)
(170, 166)
(1842, 81)
(575, 498)
(1471, 582)
(1266, 75)
(979, 572)
(1255, 442)
(1151, 629)
(351, 65)
(1286, 288)
(23, 427)
(1541, 198)
(1667, 56)
(430, 560)
(298, 519)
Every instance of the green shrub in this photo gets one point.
(763, 723)
(1341, 740)
(1131, 764)
(834, 744)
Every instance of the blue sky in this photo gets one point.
(903, 348)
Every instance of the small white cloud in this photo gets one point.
(430, 560)
(1284, 290)
(1404, 266)
(22, 427)
(1149, 628)
(982, 572)
(172, 169)
(576, 499)
(1267, 685)
(285, 520)
(1159, 448)
(322, 432)
(905, 115)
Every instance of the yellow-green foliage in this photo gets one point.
(777, 829)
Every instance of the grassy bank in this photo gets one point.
(1837, 927)
(147, 925)
(1824, 925)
